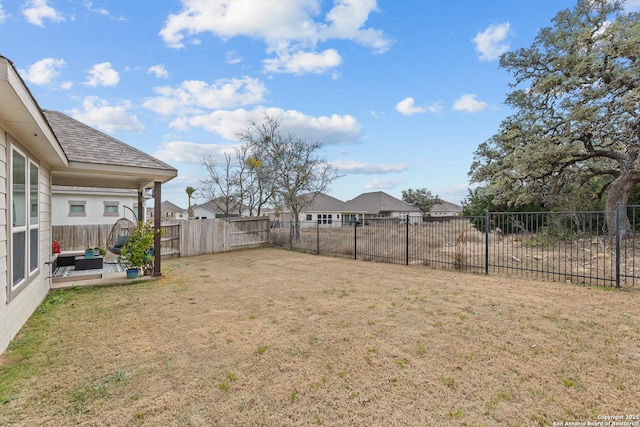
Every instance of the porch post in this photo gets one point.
(157, 217)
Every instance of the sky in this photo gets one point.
(400, 93)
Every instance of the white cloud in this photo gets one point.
(36, 11)
(383, 184)
(190, 152)
(3, 14)
(407, 107)
(109, 118)
(194, 96)
(335, 129)
(43, 72)
(233, 57)
(303, 62)
(491, 43)
(469, 103)
(103, 75)
(159, 71)
(355, 167)
(290, 30)
(99, 10)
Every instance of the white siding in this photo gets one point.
(17, 310)
(94, 207)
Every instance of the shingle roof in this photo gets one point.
(82, 143)
(446, 207)
(323, 203)
(167, 205)
(377, 202)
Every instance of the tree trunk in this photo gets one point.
(619, 192)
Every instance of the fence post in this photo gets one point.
(406, 252)
(290, 235)
(486, 242)
(618, 245)
(317, 238)
(355, 239)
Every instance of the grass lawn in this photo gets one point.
(272, 337)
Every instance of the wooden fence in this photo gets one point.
(180, 238)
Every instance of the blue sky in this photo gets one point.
(400, 93)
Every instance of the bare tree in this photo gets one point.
(289, 166)
(219, 186)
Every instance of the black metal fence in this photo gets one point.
(576, 247)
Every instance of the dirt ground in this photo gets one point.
(269, 337)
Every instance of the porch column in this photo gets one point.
(157, 225)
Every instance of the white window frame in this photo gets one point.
(112, 204)
(26, 264)
(82, 203)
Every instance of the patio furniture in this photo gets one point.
(119, 235)
(94, 263)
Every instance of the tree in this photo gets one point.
(219, 186)
(190, 190)
(577, 103)
(291, 170)
(423, 199)
(238, 184)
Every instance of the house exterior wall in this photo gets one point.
(18, 304)
(203, 213)
(414, 217)
(444, 213)
(323, 219)
(94, 207)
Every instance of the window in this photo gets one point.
(25, 217)
(111, 209)
(77, 208)
(325, 218)
(309, 217)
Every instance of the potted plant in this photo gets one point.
(55, 247)
(137, 252)
(88, 253)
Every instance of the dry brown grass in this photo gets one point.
(271, 337)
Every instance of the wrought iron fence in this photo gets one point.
(576, 247)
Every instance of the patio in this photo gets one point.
(112, 272)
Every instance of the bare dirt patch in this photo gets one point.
(271, 337)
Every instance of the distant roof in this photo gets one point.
(217, 205)
(446, 207)
(168, 206)
(377, 202)
(322, 203)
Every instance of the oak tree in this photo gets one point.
(576, 103)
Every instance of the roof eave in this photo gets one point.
(23, 118)
(111, 176)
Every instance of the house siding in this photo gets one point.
(16, 309)
(94, 208)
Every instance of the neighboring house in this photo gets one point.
(205, 211)
(445, 209)
(85, 205)
(381, 205)
(331, 212)
(168, 212)
(216, 209)
(41, 149)
(324, 210)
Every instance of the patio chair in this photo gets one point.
(119, 235)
